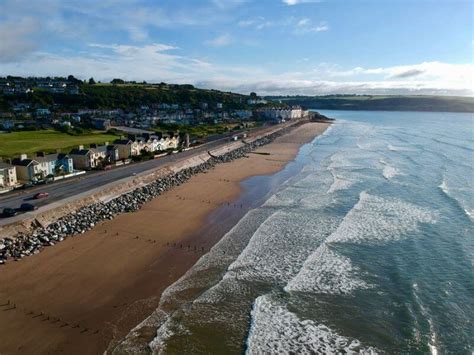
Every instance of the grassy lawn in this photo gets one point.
(15, 143)
(199, 130)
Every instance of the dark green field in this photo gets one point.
(15, 143)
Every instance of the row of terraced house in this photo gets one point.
(33, 169)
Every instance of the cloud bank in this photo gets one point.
(162, 62)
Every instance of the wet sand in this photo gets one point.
(89, 290)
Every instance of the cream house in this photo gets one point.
(127, 148)
(88, 158)
(7, 175)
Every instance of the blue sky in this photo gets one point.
(270, 46)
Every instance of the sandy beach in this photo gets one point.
(87, 291)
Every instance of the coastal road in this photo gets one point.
(66, 188)
(70, 187)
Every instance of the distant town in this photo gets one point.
(56, 128)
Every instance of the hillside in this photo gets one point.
(125, 96)
(382, 103)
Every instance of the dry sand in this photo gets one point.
(83, 293)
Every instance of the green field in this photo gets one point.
(199, 131)
(15, 143)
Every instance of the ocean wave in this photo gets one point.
(276, 330)
(290, 236)
(432, 343)
(326, 271)
(459, 196)
(388, 171)
(377, 219)
(340, 183)
(394, 148)
(454, 145)
(372, 219)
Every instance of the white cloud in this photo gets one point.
(89, 20)
(162, 62)
(220, 41)
(15, 39)
(293, 24)
(258, 23)
(305, 25)
(226, 4)
(296, 2)
(449, 75)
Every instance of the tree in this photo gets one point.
(73, 80)
(117, 81)
(253, 95)
(91, 81)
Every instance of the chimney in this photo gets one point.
(106, 143)
(81, 147)
(40, 154)
(23, 157)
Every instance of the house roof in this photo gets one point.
(77, 151)
(123, 141)
(100, 149)
(52, 157)
(24, 162)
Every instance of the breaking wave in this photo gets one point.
(276, 330)
(377, 219)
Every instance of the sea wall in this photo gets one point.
(76, 215)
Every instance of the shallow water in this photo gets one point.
(365, 245)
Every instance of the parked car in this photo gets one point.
(27, 207)
(40, 195)
(9, 212)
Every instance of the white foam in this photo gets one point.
(276, 330)
(463, 196)
(339, 183)
(388, 171)
(377, 219)
(444, 187)
(426, 314)
(326, 271)
(280, 246)
(400, 148)
(342, 159)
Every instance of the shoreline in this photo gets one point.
(103, 283)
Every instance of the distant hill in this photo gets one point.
(381, 103)
(121, 95)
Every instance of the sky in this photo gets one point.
(273, 47)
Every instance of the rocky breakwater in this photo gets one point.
(85, 218)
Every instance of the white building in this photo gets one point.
(7, 175)
(284, 114)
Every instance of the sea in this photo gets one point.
(363, 244)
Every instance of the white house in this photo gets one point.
(7, 175)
